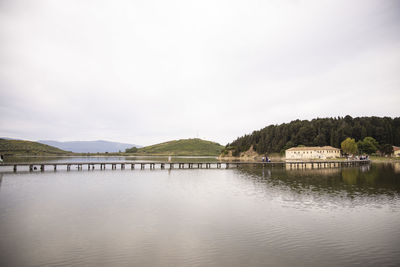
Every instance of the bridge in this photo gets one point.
(182, 165)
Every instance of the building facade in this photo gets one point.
(324, 152)
(396, 151)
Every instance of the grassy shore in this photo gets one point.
(384, 159)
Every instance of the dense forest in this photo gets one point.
(318, 132)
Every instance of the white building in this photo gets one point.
(396, 151)
(324, 152)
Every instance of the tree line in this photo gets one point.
(319, 132)
(366, 146)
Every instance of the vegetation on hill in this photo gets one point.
(183, 147)
(366, 146)
(22, 147)
(318, 132)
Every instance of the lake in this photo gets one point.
(251, 216)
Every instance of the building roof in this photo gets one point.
(302, 148)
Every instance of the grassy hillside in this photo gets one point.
(22, 147)
(183, 147)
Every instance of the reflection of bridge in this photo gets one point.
(324, 164)
(182, 165)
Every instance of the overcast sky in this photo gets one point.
(147, 71)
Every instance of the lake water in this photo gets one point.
(208, 217)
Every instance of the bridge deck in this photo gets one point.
(189, 165)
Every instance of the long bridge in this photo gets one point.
(182, 165)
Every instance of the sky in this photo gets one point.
(145, 72)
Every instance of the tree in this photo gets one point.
(131, 150)
(371, 140)
(349, 146)
(369, 145)
(319, 140)
(363, 132)
(387, 149)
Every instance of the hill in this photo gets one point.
(183, 147)
(99, 146)
(22, 147)
(318, 132)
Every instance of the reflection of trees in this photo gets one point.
(349, 176)
(378, 179)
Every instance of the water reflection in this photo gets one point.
(198, 217)
(396, 167)
(367, 180)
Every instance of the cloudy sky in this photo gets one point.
(149, 71)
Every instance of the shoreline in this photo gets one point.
(374, 159)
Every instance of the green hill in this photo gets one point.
(183, 147)
(22, 147)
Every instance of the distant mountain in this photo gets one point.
(100, 146)
(183, 147)
(22, 147)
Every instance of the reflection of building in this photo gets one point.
(396, 167)
(396, 151)
(324, 152)
(308, 168)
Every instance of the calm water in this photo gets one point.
(216, 217)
